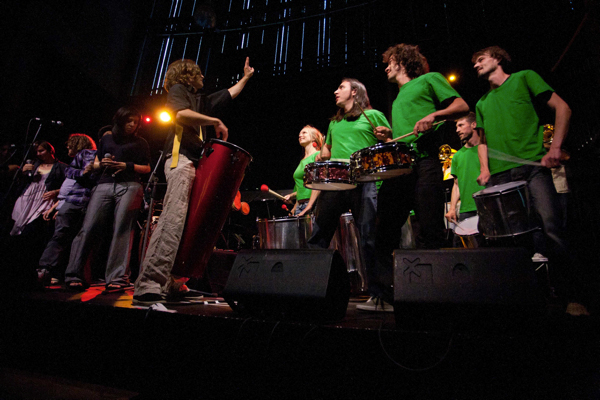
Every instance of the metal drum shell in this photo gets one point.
(284, 233)
(505, 210)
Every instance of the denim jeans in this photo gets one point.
(332, 204)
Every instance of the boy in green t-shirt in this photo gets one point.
(508, 118)
(423, 98)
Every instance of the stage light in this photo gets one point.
(147, 119)
(452, 77)
(165, 116)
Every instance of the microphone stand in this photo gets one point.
(14, 178)
(153, 180)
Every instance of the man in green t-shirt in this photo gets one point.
(465, 169)
(507, 116)
(348, 132)
(424, 98)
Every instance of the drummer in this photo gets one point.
(349, 131)
(508, 118)
(311, 139)
(465, 169)
(424, 98)
(192, 114)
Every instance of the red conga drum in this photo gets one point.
(218, 177)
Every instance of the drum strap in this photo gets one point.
(177, 145)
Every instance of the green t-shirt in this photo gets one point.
(465, 167)
(301, 191)
(510, 121)
(346, 137)
(416, 99)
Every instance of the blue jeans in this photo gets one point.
(363, 203)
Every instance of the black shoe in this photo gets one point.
(76, 286)
(148, 299)
(185, 295)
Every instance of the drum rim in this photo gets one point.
(506, 187)
(282, 219)
(226, 144)
(322, 163)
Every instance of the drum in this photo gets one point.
(347, 241)
(328, 175)
(504, 210)
(284, 233)
(381, 161)
(467, 232)
(218, 177)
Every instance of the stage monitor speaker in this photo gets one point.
(297, 284)
(441, 282)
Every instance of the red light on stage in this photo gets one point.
(147, 119)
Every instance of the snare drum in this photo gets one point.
(381, 161)
(328, 175)
(284, 233)
(504, 210)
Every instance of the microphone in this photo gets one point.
(49, 121)
(29, 173)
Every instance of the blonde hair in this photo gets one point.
(316, 135)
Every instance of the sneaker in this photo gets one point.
(540, 258)
(375, 304)
(147, 299)
(54, 281)
(184, 294)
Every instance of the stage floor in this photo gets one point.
(207, 351)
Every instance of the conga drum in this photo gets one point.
(218, 177)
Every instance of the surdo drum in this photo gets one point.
(504, 210)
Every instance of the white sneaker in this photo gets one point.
(538, 257)
(375, 304)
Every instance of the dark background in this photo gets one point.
(79, 61)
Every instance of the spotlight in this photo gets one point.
(452, 77)
(165, 116)
(147, 119)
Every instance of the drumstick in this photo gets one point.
(412, 133)
(363, 113)
(265, 188)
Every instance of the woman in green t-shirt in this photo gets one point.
(311, 139)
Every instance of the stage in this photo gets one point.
(205, 350)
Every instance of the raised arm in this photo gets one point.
(236, 89)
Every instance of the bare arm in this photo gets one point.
(325, 153)
(561, 127)
(482, 152)
(236, 89)
(451, 214)
(193, 118)
(456, 109)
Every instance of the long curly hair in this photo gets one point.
(361, 99)
(408, 56)
(79, 141)
(181, 71)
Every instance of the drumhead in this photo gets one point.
(467, 227)
(338, 164)
(503, 188)
(330, 185)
